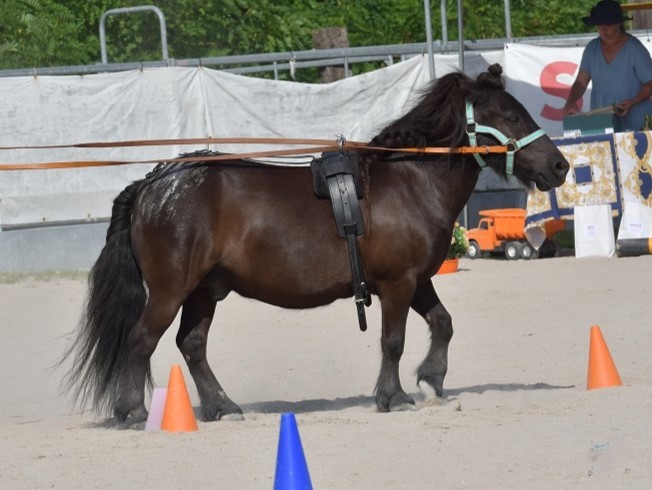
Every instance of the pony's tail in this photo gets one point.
(115, 299)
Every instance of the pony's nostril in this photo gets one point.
(562, 168)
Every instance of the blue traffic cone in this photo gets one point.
(291, 467)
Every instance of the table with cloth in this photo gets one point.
(613, 171)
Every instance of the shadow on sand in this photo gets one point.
(364, 401)
(324, 405)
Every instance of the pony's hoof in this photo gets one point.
(402, 403)
(431, 385)
(225, 411)
(232, 412)
(403, 407)
(133, 426)
(428, 391)
(134, 419)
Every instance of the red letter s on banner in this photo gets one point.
(551, 86)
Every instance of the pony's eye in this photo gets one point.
(513, 119)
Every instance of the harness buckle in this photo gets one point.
(341, 141)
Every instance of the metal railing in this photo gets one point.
(283, 61)
(131, 10)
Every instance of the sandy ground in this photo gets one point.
(517, 412)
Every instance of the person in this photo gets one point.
(619, 66)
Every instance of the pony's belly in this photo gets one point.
(294, 298)
(294, 267)
(307, 291)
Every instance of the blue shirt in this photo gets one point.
(619, 80)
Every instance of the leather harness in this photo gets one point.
(339, 170)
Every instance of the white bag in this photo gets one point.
(594, 231)
(636, 222)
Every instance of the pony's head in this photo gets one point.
(441, 118)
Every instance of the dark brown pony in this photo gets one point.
(190, 233)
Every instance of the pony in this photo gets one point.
(188, 234)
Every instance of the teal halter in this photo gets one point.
(472, 128)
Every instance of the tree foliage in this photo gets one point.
(41, 33)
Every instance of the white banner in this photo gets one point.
(541, 78)
(162, 103)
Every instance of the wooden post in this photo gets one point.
(327, 38)
(640, 11)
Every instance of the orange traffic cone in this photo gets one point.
(602, 370)
(178, 415)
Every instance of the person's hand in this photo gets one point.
(570, 108)
(622, 108)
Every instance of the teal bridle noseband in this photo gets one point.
(513, 145)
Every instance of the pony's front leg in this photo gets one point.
(198, 311)
(395, 304)
(431, 373)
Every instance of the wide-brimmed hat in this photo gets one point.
(606, 12)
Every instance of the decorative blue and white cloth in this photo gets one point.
(613, 169)
(592, 179)
(635, 162)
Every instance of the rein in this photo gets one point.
(509, 146)
(328, 145)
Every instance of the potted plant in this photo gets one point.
(458, 248)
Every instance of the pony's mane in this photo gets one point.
(438, 119)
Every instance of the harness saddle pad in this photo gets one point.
(330, 164)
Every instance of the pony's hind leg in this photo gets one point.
(196, 317)
(158, 314)
(431, 373)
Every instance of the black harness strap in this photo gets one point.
(346, 207)
(345, 204)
